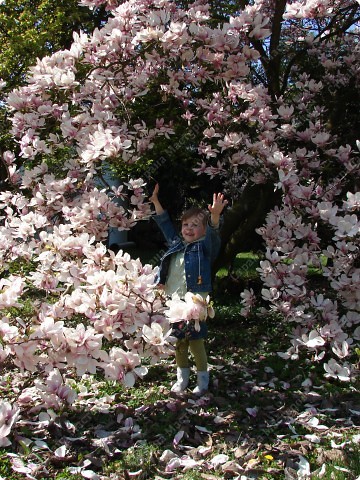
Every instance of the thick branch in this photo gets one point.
(272, 62)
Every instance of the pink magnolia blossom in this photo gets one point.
(123, 366)
(8, 416)
(337, 371)
(84, 346)
(9, 333)
(353, 201)
(192, 308)
(25, 355)
(54, 391)
(11, 290)
(154, 334)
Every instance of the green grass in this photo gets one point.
(245, 265)
(141, 456)
(194, 475)
(345, 467)
(5, 467)
(67, 475)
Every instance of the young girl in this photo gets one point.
(186, 266)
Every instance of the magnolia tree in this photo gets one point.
(69, 305)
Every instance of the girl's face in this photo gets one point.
(193, 229)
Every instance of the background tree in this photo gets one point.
(32, 29)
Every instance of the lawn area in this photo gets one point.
(263, 418)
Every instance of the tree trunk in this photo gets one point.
(240, 221)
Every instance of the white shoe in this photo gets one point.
(202, 383)
(182, 382)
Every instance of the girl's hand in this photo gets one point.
(218, 205)
(155, 200)
(154, 196)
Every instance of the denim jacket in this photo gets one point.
(198, 256)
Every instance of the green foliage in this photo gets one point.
(20, 266)
(36, 28)
(31, 29)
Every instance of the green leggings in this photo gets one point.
(197, 348)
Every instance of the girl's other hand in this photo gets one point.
(218, 205)
(154, 196)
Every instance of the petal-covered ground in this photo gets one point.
(262, 418)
